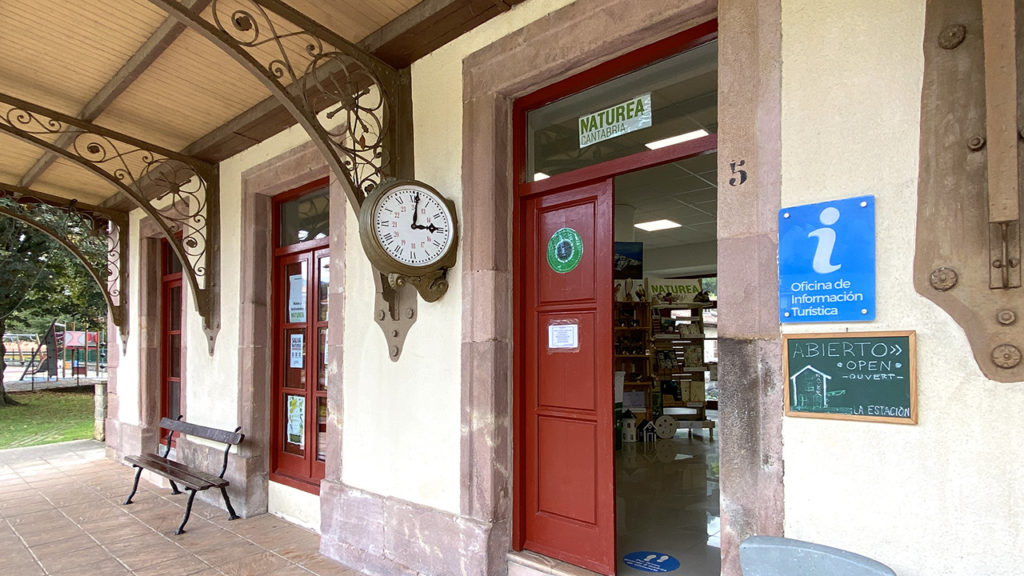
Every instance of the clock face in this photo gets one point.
(413, 225)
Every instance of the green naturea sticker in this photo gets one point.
(565, 249)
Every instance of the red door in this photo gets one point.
(300, 388)
(566, 462)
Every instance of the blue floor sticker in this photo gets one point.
(651, 561)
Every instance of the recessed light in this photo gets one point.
(677, 139)
(540, 176)
(655, 225)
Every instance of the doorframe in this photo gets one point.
(647, 55)
(260, 183)
(567, 41)
(314, 248)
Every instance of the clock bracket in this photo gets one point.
(395, 306)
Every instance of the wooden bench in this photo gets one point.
(177, 473)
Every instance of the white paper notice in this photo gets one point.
(297, 420)
(296, 298)
(295, 358)
(563, 336)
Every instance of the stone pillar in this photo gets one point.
(750, 349)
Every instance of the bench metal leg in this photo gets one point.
(188, 512)
(174, 487)
(227, 502)
(135, 486)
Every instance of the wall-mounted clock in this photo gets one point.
(411, 232)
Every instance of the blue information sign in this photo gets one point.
(827, 261)
(651, 561)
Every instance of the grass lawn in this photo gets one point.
(47, 416)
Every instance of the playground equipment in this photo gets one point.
(52, 353)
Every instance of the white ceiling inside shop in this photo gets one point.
(684, 192)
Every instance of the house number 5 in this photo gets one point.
(739, 176)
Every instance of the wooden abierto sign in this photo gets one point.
(868, 376)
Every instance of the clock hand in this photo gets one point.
(430, 228)
(415, 211)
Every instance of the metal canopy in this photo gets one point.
(142, 81)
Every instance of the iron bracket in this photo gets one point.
(84, 231)
(180, 193)
(356, 108)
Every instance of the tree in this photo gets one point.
(23, 256)
(41, 279)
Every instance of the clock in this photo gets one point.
(410, 230)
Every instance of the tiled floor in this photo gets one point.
(667, 510)
(61, 514)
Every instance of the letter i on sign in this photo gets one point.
(826, 242)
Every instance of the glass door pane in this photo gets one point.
(295, 424)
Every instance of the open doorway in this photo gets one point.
(601, 153)
(665, 361)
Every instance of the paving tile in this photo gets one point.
(91, 512)
(29, 504)
(114, 533)
(142, 551)
(65, 547)
(15, 487)
(324, 566)
(22, 567)
(296, 570)
(105, 567)
(255, 565)
(219, 553)
(12, 551)
(184, 566)
(80, 558)
(35, 535)
(280, 535)
(299, 554)
(43, 514)
(74, 497)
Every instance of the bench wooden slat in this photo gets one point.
(179, 473)
(199, 475)
(214, 434)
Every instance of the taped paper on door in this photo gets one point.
(564, 336)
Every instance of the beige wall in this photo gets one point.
(940, 497)
(403, 420)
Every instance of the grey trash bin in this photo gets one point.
(774, 556)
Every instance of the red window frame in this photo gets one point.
(285, 467)
(171, 279)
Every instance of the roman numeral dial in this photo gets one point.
(412, 224)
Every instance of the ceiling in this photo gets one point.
(125, 65)
(684, 192)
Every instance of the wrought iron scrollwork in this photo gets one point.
(356, 108)
(95, 236)
(343, 96)
(180, 193)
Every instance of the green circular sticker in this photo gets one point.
(565, 249)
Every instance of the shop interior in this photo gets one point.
(665, 357)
